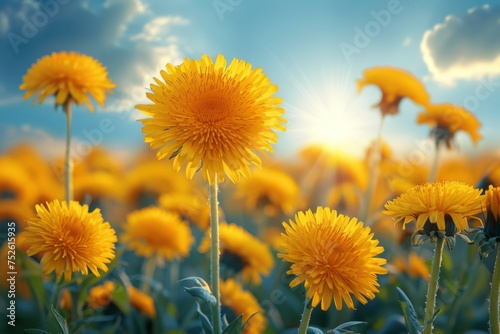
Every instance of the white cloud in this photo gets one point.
(464, 47)
(157, 29)
(136, 92)
(103, 31)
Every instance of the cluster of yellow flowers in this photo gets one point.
(219, 120)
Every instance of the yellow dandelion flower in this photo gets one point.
(153, 231)
(492, 207)
(236, 301)
(189, 207)
(401, 175)
(436, 203)
(270, 189)
(211, 117)
(141, 301)
(95, 184)
(395, 85)
(241, 251)
(42, 175)
(385, 151)
(417, 267)
(334, 256)
(494, 175)
(70, 239)
(99, 160)
(15, 182)
(15, 211)
(100, 295)
(414, 266)
(458, 169)
(68, 76)
(148, 180)
(446, 119)
(345, 196)
(66, 301)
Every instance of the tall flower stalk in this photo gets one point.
(306, 316)
(373, 166)
(494, 296)
(490, 242)
(68, 166)
(433, 285)
(214, 256)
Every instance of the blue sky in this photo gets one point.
(313, 50)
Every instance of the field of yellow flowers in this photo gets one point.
(210, 233)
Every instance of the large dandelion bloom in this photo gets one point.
(334, 256)
(70, 239)
(395, 85)
(68, 76)
(241, 251)
(446, 119)
(440, 203)
(211, 117)
(236, 302)
(189, 206)
(153, 231)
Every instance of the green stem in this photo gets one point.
(68, 183)
(306, 316)
(214, 256)
(373, 166)
(173, 272)
(435, 164)
(495, 287)
(433, 285)
(149, 272)
(54, 299)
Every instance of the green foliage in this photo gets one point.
(412, 323)
(56, 324)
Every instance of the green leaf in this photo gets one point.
(113, 328)
(350, 327)
(246, 322)
(35, 331)
(119, 297)
(411, 319)
(234, 327)
(201, 293)
(34, 276)
(198, 281)
(314, 330)
(56, 324)
(207, 326)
